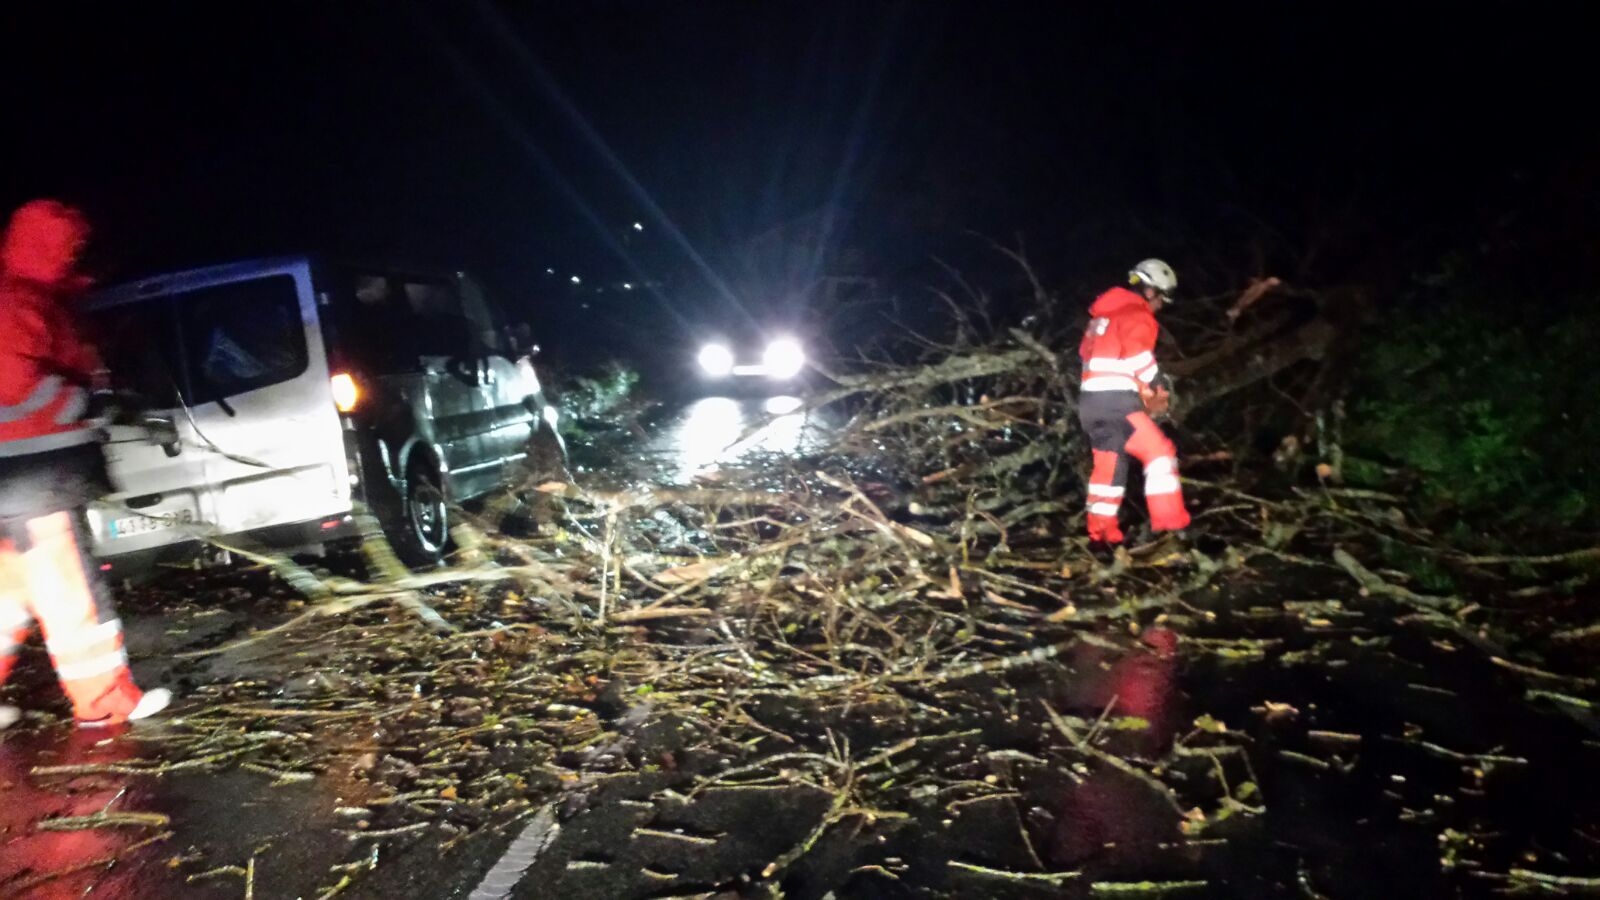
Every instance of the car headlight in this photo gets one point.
(715, 360)
(784, 358)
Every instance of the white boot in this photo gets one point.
(152, 702)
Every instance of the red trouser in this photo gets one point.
(51, 580)
(1119, 428)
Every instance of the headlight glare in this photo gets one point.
(784, 358)
(715, 360)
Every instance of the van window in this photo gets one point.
(208, 344)
(139, 342)
(241, 336)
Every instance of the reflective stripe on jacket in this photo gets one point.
(1118, 348)
(50, 417)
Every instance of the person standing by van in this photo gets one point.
(50, 468)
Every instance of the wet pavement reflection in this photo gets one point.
(1109, 811)
(38, 861)
(717, 431)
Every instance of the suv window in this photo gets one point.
(385, 322)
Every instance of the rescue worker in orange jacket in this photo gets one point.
(50, 467)
(1120, 382)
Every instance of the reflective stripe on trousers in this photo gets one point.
(1116, 435)
(54, 582)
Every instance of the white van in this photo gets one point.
(281, 393)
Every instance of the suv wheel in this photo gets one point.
(425, 521)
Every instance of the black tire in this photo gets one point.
(421, 533)
(546, 462)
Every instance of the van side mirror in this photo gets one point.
(521, 338)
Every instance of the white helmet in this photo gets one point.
(1156, 274)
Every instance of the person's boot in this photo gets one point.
(152, 702)
(1160, 543)
(1104, 551)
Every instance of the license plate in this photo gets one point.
(133, 525)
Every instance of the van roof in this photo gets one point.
(191, 279)
(177, 282)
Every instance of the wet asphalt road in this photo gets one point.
(1375, 823)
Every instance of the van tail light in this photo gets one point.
(346, 394)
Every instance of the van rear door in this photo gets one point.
(158, 489)
(261, 444)
(260, 401)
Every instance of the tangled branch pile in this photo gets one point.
(896, 654)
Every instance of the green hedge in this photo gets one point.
(1490, 405)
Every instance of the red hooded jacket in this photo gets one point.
(46, 367)
(1118, 348)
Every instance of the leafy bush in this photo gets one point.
(591, 398)
(1488, 404)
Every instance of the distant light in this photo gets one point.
(716, 360)
(638, 226)
(549, 271)
(627, 285)
(577, 280)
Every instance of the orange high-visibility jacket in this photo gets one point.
(1118, 348)
(46, 368)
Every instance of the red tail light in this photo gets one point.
(346, 394)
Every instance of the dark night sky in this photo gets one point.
(507, 138)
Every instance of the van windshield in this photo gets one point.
(210, 343)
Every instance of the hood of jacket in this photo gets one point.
(42, 243)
